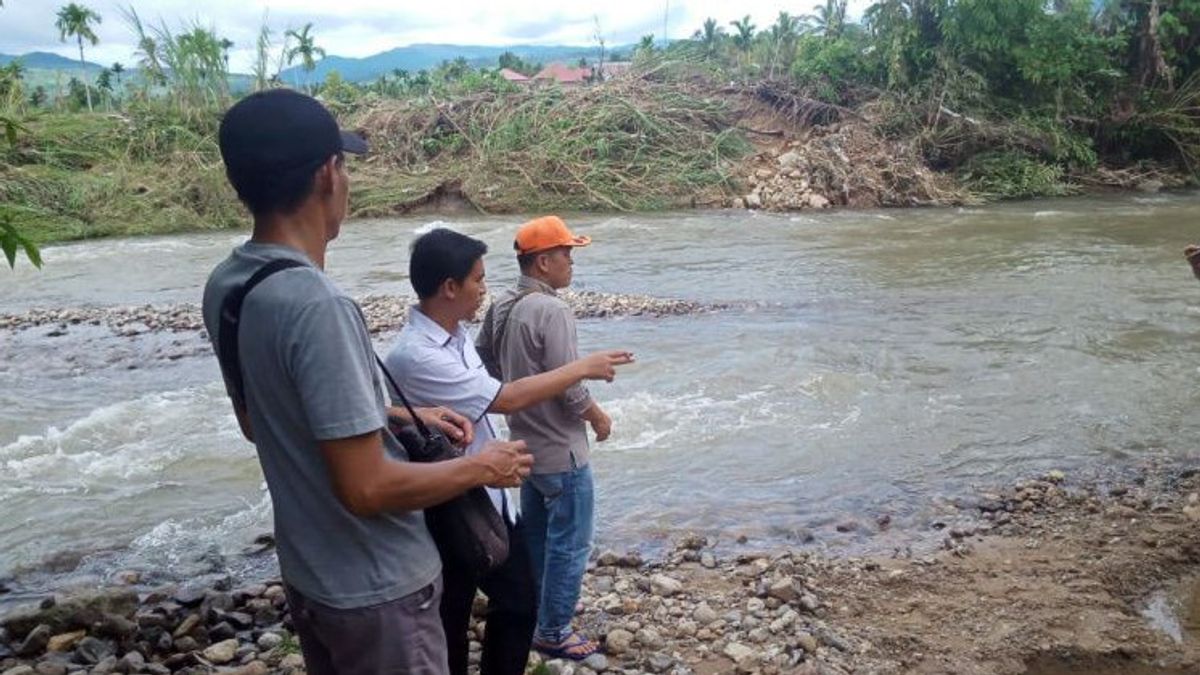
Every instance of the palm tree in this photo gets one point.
(745, 35)
(829, 19)
(709, 37)
(646, 46)
(306, 48)
(76, 21)
(782, 36)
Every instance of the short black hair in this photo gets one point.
(440, 255)
(267, 194)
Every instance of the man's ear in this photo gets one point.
(449, 289)
(325, 176)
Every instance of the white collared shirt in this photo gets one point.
(437, 368)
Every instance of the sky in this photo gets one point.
(358, 28)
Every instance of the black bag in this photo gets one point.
(470, 535)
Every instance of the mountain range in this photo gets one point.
(411, 58)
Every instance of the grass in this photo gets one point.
(156, 169)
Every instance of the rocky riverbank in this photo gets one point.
(1042, 577)
(383, 312)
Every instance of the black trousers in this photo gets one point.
(511, 611)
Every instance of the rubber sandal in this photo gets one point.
(575, 648)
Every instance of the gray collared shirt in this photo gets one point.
(435, 368)
(530, 330)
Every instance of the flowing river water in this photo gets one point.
(873, 363)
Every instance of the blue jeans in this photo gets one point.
(558, 511)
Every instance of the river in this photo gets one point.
(874, 363)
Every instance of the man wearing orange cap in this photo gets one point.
(529, 330)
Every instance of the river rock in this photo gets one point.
(807, 642)
(704, 614)
(252, 668)
(221, 652)
(648, 638)
(784, 589)
(65, 642)
(268, 641)
(107, 665)
(659, 663)
(35, 642)
(291, 662)
(221, 631)
(79, 611)
(186, 626)
(19, 670)
(618, 641)
(50, 668)
(132, 662)
(114, 626)
(663, 585)
(94, 650)
(738, 653)
(597, 662)
(809, 602)
(185, 644)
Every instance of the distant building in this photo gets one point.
(563, 74)
(514, 76)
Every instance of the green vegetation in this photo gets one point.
(1021, 98)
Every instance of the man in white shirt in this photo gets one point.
(435, 361)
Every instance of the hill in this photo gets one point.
(425, 56)
(48, 61)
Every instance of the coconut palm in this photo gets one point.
(744, 38)
(828, 19)
(306, 48)
(709, 36)
(76, 21)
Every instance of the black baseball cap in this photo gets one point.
(280, 132)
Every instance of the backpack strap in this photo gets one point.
(231, 313)
(499, 335)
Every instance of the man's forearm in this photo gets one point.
(409, 486)
(528, 391)
(593, 413)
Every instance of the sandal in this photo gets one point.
(574, 647)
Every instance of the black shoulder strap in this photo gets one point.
(498, 335)
(424, 430)
(231, 313)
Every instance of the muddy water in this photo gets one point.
(886, 360)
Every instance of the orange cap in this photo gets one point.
(545, 233)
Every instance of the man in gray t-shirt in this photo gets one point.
(362, 573)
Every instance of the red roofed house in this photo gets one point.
(513, 76)
(564, 74)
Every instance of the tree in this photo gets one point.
(117, 69)
(781, 37)
(745, 34)
(709, 36)
(306, 48)
(828, 19)
(76, 21)
(646, 46)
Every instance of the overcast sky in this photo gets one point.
(363, 27)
